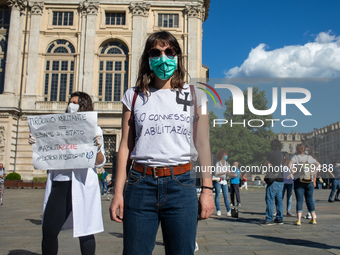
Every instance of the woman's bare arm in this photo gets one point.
(202, 145)
(124, 162)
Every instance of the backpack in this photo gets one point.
(305, 174)
(234, 212)
(272, 176)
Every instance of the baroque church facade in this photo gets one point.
(49, 49)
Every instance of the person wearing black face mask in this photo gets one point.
(72, 196)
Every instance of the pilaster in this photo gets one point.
(11, 87)
(140, 13)
(33, 48)
(89, 14)
(196, 15)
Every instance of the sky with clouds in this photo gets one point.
(266, 38)
(277, 39)
(318, 59)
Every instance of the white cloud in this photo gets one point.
(318, 59)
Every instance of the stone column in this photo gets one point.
(82, 47)
(140, 13)
(91, 10)
(12, 72)
(195, 18)
(33, 48)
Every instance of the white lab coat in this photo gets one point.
(86, 216)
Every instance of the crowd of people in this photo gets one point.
(300, 172)
(155, 180)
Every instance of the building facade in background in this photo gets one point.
(49, 49)
(325, 142)
(290, 140)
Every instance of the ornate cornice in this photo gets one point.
(195, 11)
(139, 9)
(36, 8)
(17, 5)
(90, 8)
(107, 131)
(4, 115)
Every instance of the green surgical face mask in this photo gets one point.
(163, 66)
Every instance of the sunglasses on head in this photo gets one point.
(156, 53)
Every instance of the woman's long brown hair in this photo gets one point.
(146, 75)
(84, 101)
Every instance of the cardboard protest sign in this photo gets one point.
(64, 141)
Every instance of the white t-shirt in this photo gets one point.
(164, 125)
(298, 159)
(2, 173)
(222, 168)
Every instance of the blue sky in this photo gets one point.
(278, 39)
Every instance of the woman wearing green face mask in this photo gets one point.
(160, 186)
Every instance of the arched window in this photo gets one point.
(113, 71)
(59, 71)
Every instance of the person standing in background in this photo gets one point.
(288, 184)
(72, 196)
(2, 182)
(234, 184)
(222, 167)
(103, 180)
(245, 182)
(336, 183)
(274, 190)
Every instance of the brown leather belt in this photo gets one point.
(161, 171)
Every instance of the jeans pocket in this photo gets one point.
(185, 180)
(134, 177)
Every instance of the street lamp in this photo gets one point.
(314, 141)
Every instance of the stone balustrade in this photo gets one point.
(50, 105)
(108, 106)
(61, 106)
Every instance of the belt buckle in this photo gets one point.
(154, 172)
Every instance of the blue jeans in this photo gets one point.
(289, 188)
(320, 186)
(336, 185)
(304, 190)
(274, 191)
(171, 201)
(218, 187)
(103, 186)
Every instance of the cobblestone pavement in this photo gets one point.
(21, 214)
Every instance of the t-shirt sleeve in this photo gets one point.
(294, 159)
(201, 97)
(128, 98)
(311, 160)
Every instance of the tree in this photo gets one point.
(248, 145)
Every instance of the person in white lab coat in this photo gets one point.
(72, 196)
